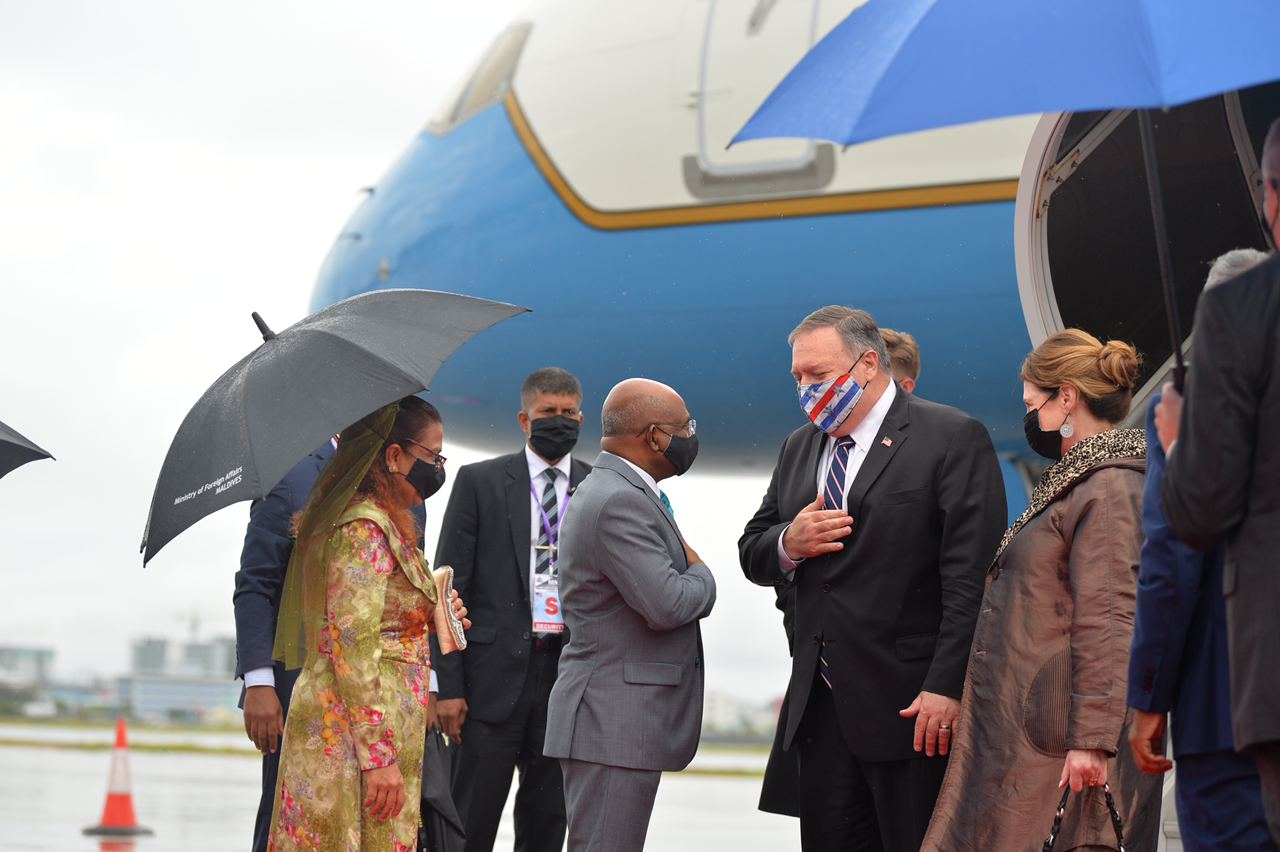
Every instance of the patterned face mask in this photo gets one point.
(828, 404)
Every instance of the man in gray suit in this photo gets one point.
(627, 704)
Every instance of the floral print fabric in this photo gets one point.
(360, 701)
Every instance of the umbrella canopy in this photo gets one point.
(298, 388)
(15, 450)
(898, 66)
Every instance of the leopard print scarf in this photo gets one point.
(1079, 460)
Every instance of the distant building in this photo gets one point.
(725, 715)
(24, 667)
(150, 656)
(181, 680)
(165, 698)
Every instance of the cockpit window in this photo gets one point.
(488, 83)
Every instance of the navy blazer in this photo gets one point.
(268, 544)
(1178, 661)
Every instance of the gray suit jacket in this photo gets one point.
(629, 691)
(1222, 480)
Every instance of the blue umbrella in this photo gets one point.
(898, 66)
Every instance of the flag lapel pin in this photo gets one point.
(887, 441)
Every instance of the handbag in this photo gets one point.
(1116, 822)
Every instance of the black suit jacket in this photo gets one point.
(897, 607)
(485, 537)
(1222, 480)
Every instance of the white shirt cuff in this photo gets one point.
(264, 676)
(785, 562)
(434, 683)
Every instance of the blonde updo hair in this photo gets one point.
(1104, 373)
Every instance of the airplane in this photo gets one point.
(582, 169)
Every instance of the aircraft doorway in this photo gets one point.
(1085, 244)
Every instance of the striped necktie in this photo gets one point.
(833, 498)
(662, 495)
(552, 510)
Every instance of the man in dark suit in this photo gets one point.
(888, 561)
(268, 544)
(780, 789)
(1222, 481)
(500, 534)
(1178, 664)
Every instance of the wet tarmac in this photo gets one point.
(204, 803)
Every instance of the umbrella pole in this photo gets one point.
(1147, 135)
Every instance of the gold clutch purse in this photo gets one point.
(449, 629)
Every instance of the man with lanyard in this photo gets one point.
(500, 533)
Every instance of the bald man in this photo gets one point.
(627, 704)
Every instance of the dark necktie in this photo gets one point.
(833, 498)
(551, 509)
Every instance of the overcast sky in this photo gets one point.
(165, 169)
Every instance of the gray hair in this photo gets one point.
(549, 380)
(1233, 263)
(857, 329)
(1271, 153)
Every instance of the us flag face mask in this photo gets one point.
(829, 403)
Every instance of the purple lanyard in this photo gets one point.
(553, 535)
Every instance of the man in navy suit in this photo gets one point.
(1179, 663)
(268, 544)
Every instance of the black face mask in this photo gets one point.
(553, 437)
(681, 452)
(425, 477)
(1047, 444)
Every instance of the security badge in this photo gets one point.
(548, 617)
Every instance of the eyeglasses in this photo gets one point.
(690, 428)
(439, 459)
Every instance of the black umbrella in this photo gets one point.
(301, 386)
(442, 829)
(15, 450)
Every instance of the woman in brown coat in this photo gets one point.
(1044, 696)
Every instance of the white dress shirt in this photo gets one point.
(864, 435)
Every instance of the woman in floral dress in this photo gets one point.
(351, 758)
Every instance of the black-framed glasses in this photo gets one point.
(439, 459)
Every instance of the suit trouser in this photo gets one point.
(1220, 803)
(853, 805)
(271, 767)
(262, 824)
(609, 806)
(491, 752)
(1267, 759)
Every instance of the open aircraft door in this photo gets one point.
(1083, 236)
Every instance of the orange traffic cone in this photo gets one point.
(118, 818)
